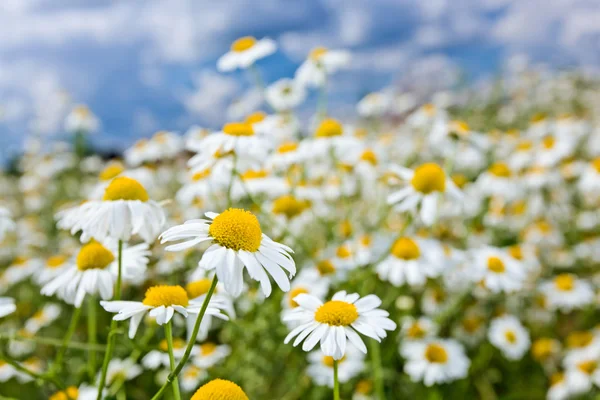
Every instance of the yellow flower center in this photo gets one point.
(94, 256)
(178, 344)
(336, 313)
(525, 145)
(124, 188)
(19, 260)
(56, 261)
(538, 117)
(549, 142)
(198, 288)
(201, 175)
(236, 229)
(289, 206)
(295, 292)
(496, 265)
(543, 348)
(596, 164)
(238, 129)
(587, 367)
(343, 252)
(428, 178)
(364, 387)
(111, 171)
(287, 147)
(459, 180)
(258, 116)
(243, 44)
(579, 339)
(328, 361)
(317, 53)
(511, 336)
(500, 170)
(220, 389)
(366, 241)
(406, 249)
(82, 111)
(346, 228)
(39, 316)
(369, 156)
(208, 348)
(329, 127)
(557, 378)
(515, 252)
(192, 372)
(165, 295)
(435, 353)
(471, 324)
(325, 267)
(70, 393)
(254, 174)
(564, 282)
(415, 331)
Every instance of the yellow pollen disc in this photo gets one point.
(243, 44)
(111, 171)
(94, 256)
(254, 174)
(19, 260)
(328, 361)
(525, 145)
(198, 176)
(343, 252)
(429, 178)
(369, 156)
(178, 344)
(39, 316)
(198, 288)
(496, 265)
(165, 295)
(141, 144)
(325, 267)
(406, 249)
(287, 147)
(258, 116)
(461, 127)
(515, 252)
(510, 336)
(434, 353)
(564, 282)
(364, 387)
(366, 240)
(471, 324)
(208, 348)
(238, 129)
(415, 331)
(336, 313)
(346, 229)
(289, 206)
(557, 378)
(236, 229)
(295, 292)
(220, 389)
(549, 142)
(500, 170)
(329, 127)
(124, 188)
(587, 367)
(459, 180)
(317, 53)
(543, 348)
(579, 339)
(56, 261)
(192, 372)
(70, 393)
(82, 111)
(596, 164)
(538, 117)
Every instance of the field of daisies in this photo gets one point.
(439, 246)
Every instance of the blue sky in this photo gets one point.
(139, 63)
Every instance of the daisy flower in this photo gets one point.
(81, 119)
(210, 354)
(428, 184)
(244, 52)
(582, 374)
(189, 377)
(285, 94)
(43, 318)
(497, 270)
(373, 105)
(336, 321)
(125, 370)
(20, 269)
(83, 392)
(6, 223)
(320, 367)
(237, 242)
(160, 302)
(124, 211)
(320, 64)
(559, 390)
(197, 289)
(94, 271)
(220, 388)
(435, 361)
(54, 266)
(7, 306)
(418, 329)
(160, 357)
(508, 335)
(566, 292)
(499, 180)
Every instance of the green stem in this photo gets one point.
(113, 327)
(92, 328)
(336, 383)
(57, 366)
(377, 370)
(136, 354)
(169, 336)
(233, 175)
(190, 344)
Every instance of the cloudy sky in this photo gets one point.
(144, 65)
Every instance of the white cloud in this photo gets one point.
(212, 94)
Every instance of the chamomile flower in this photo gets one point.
(244, 52)
(320, 64)
(497, 270)
(160, 357)
(427, 186)
(320, 367)
(418, 329)
(220, 388)
(237, 242)
(20, 269)
(6, 223)
(285, 94)
(160, 302)
(435, 361)
(373, 105)
(336, 321)
(211, 354)
(7, 306)
(197, 290)
(498, 180)
(126, 370)
(42, 318)
(95, 270)
(83, 392)
(124, 211)
(566, 292)
(190, 376)
(508, 335)
(54, 266)
(559, 389)
(582, 374)
(81, 119)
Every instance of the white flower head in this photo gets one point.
(7, 306)
(566, 292)
(435, 361)
(510, 336)
(244, 52)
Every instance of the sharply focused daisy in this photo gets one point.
(567, 292)
(160, 302)
(124, 211)
(237, 242)
(435, 361)
(244, 52)
(510, 336)
(220, 389)
(94, 271)
(334, 322)
(427, 185)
